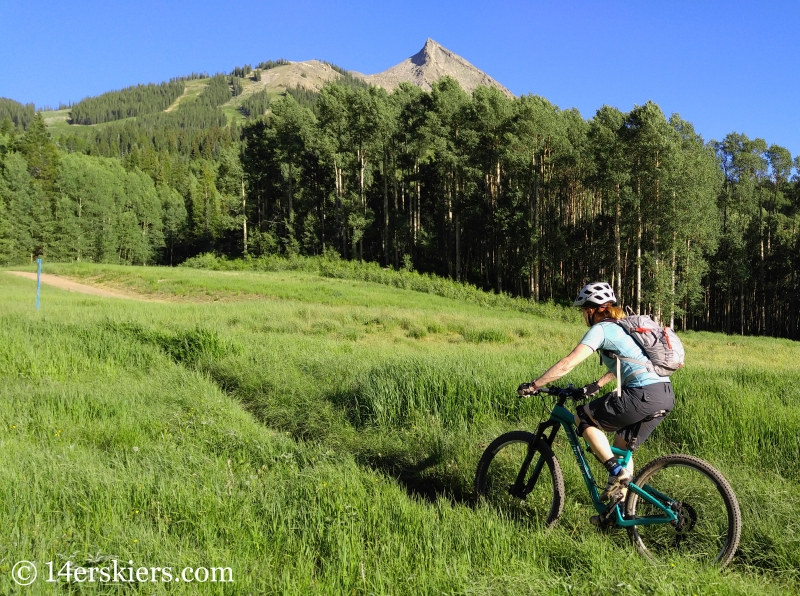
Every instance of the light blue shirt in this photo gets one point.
(608, 336)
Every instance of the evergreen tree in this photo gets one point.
(19, 116)
(37, 146)
(27, 208)
(127, 103)
(255, 104)
(206, 208)
(175, 219)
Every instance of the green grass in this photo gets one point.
(62, 126)
(232, 113)
(319, 434)
(231, 107)
(53, 116)
(194, 88)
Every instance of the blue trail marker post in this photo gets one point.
(38, 282)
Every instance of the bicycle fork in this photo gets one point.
(520, 488)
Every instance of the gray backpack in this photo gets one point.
(660, 344)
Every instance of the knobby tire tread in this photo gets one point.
(552, 467)
(725, 490)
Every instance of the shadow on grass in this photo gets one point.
(426, 478)
(423, 464)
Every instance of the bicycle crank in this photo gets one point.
(687, 518)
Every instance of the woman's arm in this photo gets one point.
(607, 378)
(566, 364)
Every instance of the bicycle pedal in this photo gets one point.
(602, 526)
(615, 499)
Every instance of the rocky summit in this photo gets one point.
(430, 64)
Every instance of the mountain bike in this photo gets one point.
(676, 504)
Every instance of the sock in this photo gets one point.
(613, 467)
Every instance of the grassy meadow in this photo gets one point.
(319, 435)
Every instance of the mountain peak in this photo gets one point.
(430, 64)
(428, 53)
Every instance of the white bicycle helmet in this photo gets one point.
(595, 294)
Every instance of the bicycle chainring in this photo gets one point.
(687, 518)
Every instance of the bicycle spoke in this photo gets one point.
(505, 471)
(708, 524)
(505, 479)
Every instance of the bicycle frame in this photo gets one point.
(561, 417)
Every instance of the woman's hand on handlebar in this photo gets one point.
(591, 388)
(576, 393)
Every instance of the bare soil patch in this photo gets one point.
(72, 286)
(178, 100)
(311, 74)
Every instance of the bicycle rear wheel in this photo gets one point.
(709, 520)
(519, 475)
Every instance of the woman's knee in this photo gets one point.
(584, 420)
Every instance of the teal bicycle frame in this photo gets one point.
(561, 417)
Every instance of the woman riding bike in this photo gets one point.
(634, 411)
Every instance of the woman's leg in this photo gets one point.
(621, 443)
(598, 441)
(596, 438)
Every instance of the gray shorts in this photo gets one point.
(625, 413)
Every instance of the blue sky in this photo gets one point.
(725, 66)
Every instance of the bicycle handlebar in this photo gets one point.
(569, 391)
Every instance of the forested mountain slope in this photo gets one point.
(510, 193)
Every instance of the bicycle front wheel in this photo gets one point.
(521, 476)
(709, 521)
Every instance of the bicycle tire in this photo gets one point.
(503, 465)
(710, 522)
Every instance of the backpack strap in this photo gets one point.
(648, 367)
(647, 364)
(608, 320)
(618, 389)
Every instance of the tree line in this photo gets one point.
(144, 209)
(522, 197)
(510, 194)
(127, 103)
(197, 128)
(15, 114)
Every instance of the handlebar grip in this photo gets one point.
(573, 392)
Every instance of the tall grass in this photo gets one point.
(332, 266)
(320, 435)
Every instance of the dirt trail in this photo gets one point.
(175, 103)
(72, 286)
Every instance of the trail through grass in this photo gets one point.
(320, 435)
